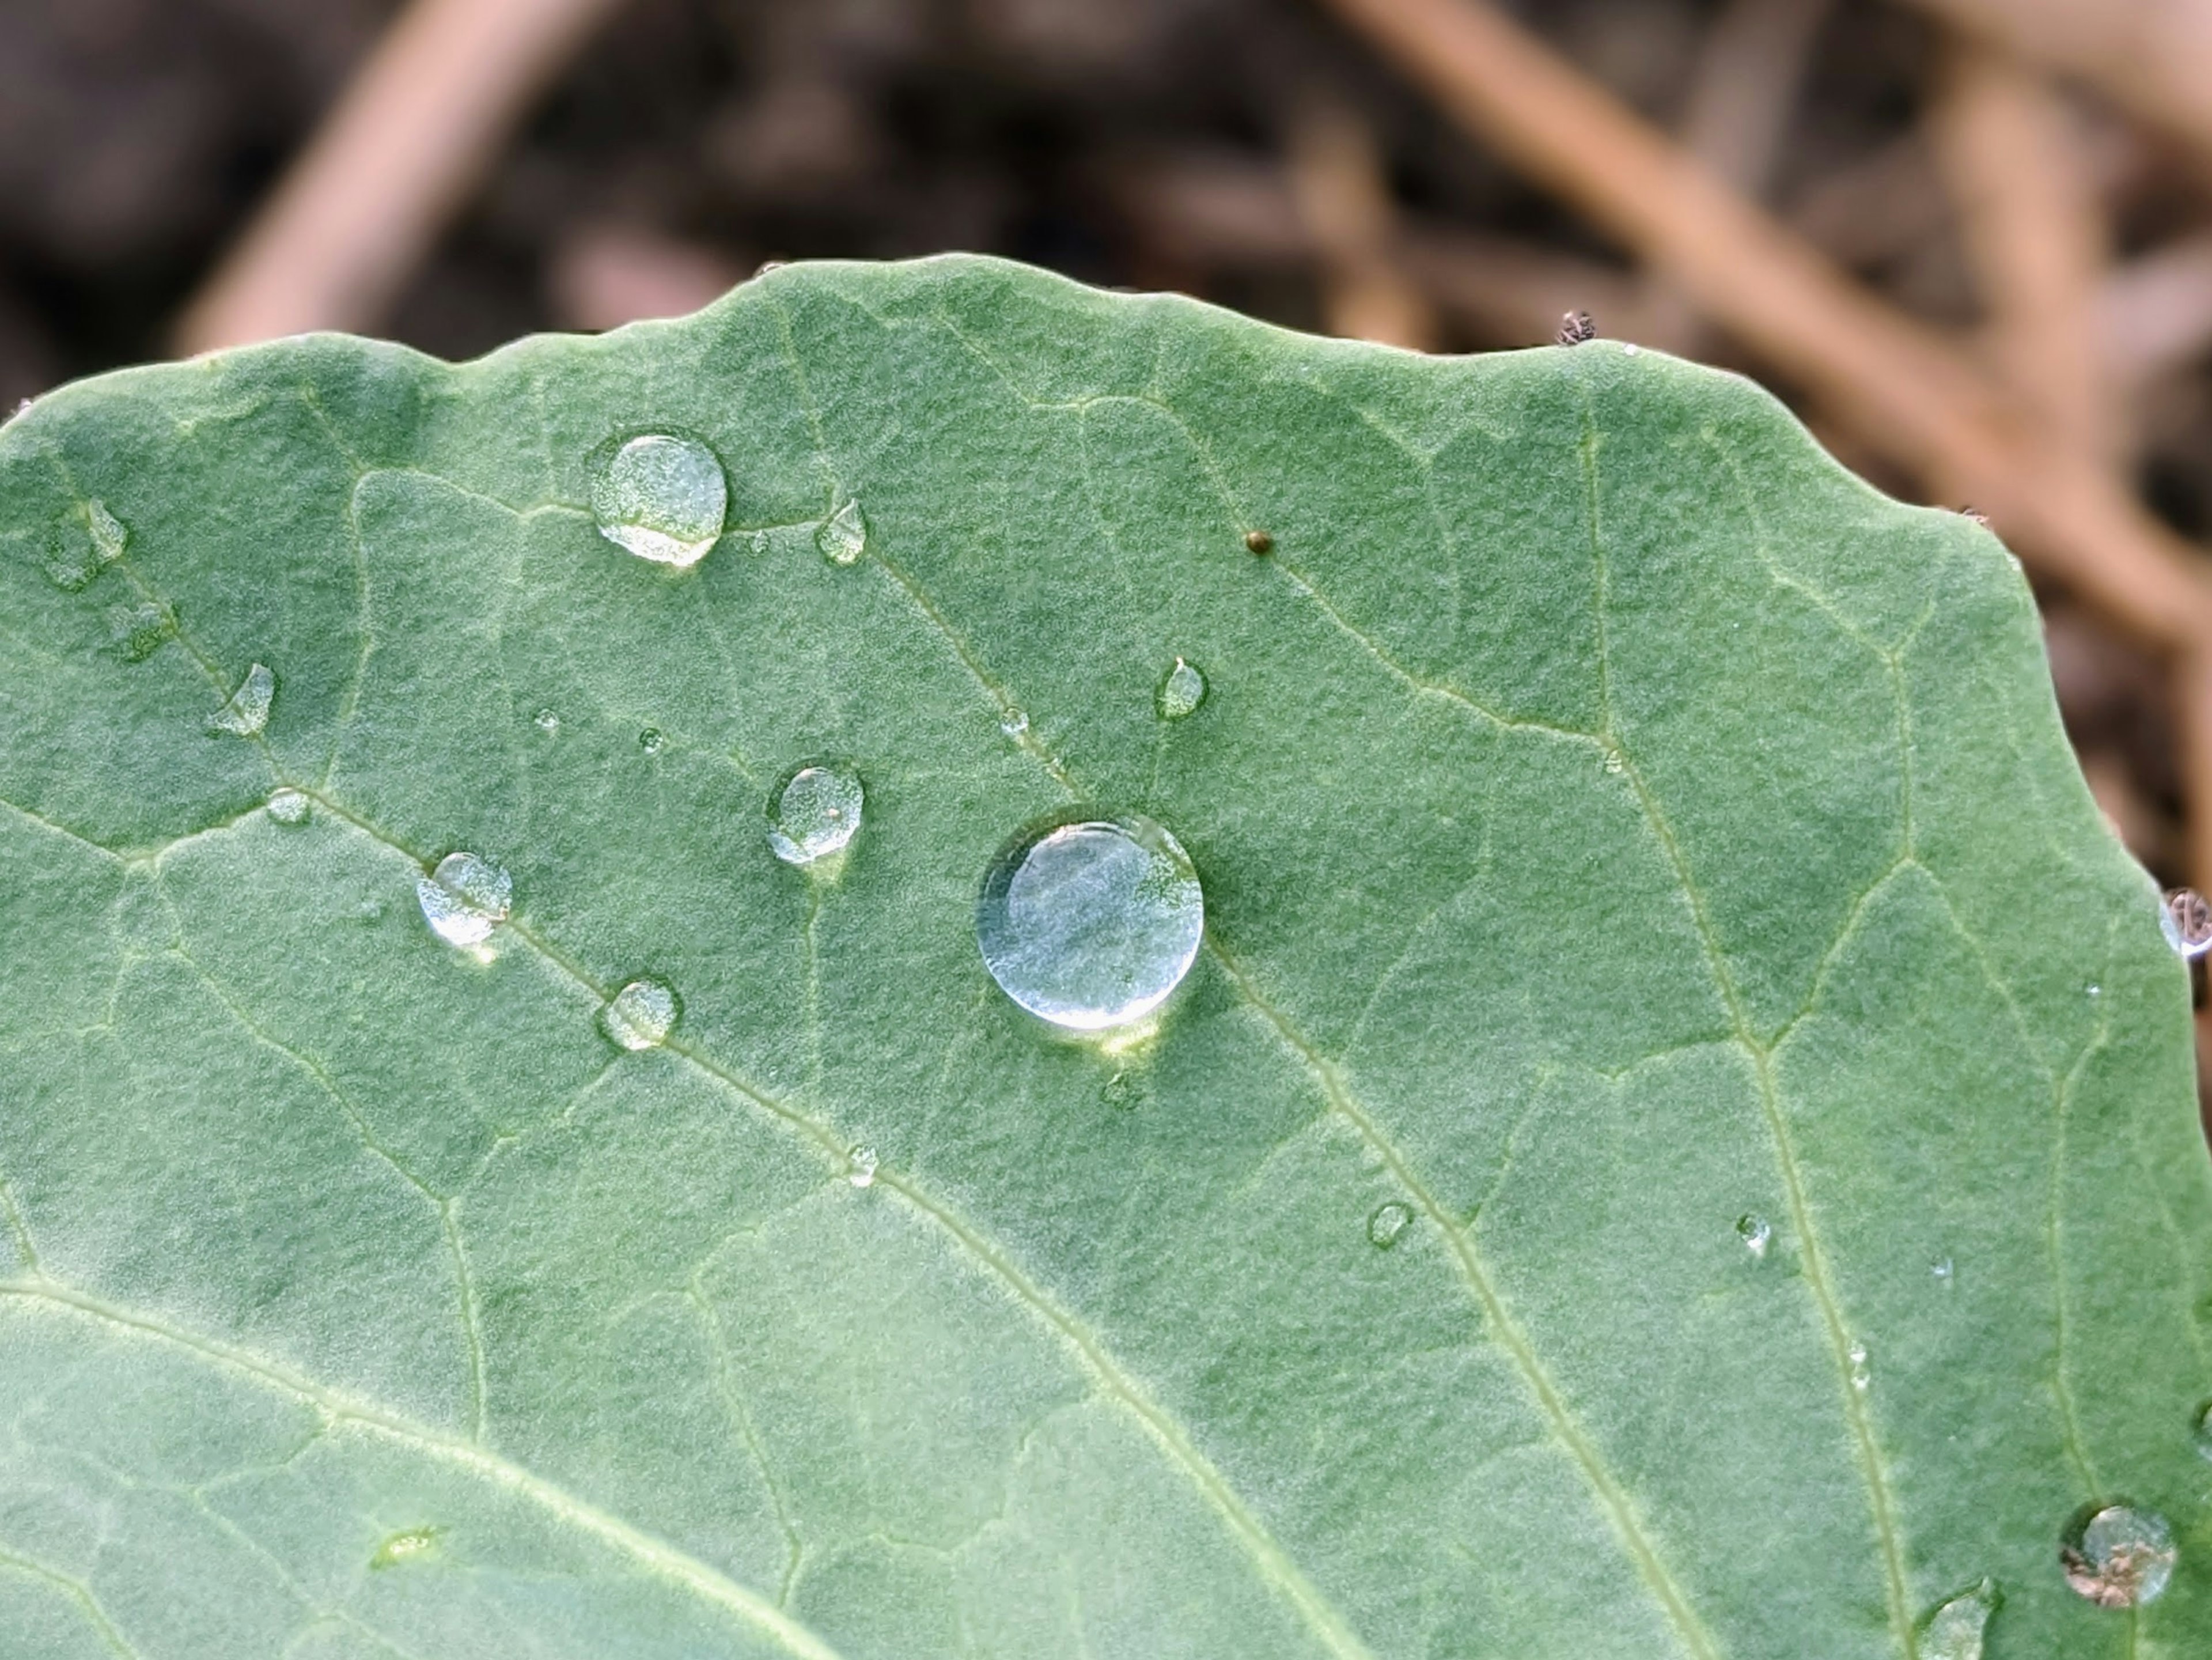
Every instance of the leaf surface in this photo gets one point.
(1679, 1139)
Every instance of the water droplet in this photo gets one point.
(1862, 1372)
(1388, 1221)
(1757, 1234)
(1955, 1631)
(411, 1546)
(248, 711)
(465, 898)
(139, 629)
(74, 564)
(1631, 350)
(289, 807)
(2120, 1557)
(1181, 692)
(1014, 723)
(1090, 922)
(662, 499)
(546, 720)
(861, 1166)
(652, 740)
(1258, 541)
(1614, 763)
(2096, 991)
(639, 1015)
(2186, 921)
(1944, 1274)
(1124, 1090)
(108, 536)
(815, 814)
(844, 536)
(369, 910)
(2204, 1432)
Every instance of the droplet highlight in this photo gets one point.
(1015, 723)
(844, 536)
(1388, 1221)
(2185, 916)
(465, 898)
(639, 1016)
(662, 499)
(289, 807)
(1757, 1234)
(861, 1166)
(1955, 1630)
(814, 814)
(1944, 1272)
(1180, 691)
(248, 711)
(547, 721)
(1090, 922)
(2120, 1558)
(1862, 1366)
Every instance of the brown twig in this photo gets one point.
(360, 206)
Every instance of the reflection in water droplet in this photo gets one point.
(1090, 922)
(1756, 1232)
(1388, 1221)
(1861, 1373)
(1181, 692)
(652, 740)
(1944, 1274)
(1955, 1631)
(546, 720)
(2187, 920)
(139, 629)
(638, 1015)
(289, 807)
(860, 1169)
(2120, 1557)
(844, 536)
(815, 814)
(408, 1547)
(248, 711)
(465, 898)
(662, 499)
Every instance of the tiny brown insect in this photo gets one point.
(1259, 541)
(1574, 328)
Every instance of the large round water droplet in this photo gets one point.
(1955, 1631)
(814, 814)
(639, 1015)
(2120, 1557)
(662, 499)
(2186, 921)
(1090, 922)
(1180, 691)
(465, 898)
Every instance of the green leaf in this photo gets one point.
(1680, 1139)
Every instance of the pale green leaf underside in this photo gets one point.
(1615, 821)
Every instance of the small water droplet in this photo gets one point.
(639, 1015)
(1124, 1090)
(844, 536)
(408, 1547)
(1090, 922)
(652, 740)
(815, 814)
(1862, 1372)
(139, 629)
(248, 711)
(2185, 918)
(1014, 723)
(546, 720)
(662, 499)
(1943, 1273)
(1258, 541)
(1955, 1631)
(72, 565)
(1388, 1221)
(1757, 1234)
(1614, 763)
(289, 807)
(108, 536)
(861, 1166)
(465, 898)
(2204, 1432)
(369, 910)
(1181, 692)
(2120, 1557)
(1631, 350)
(2096, 991)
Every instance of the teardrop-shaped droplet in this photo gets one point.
(138, 629)
(1090, 922)
(546, 720)
(844, 536)
(861, 1166)
(2185, 917)
(1862, 1368)
(639, 1015)
(1955, 1631)
(1180, 691)
(465, 898)
(1757, 1234)
(248, 711)
(289, 807)
(1388, 1221)
(814, 814)
(2120, 1558)
(662, 499)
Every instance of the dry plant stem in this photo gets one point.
(1344, 201)
(361, 207)
(1901, 386)
(2154, 313)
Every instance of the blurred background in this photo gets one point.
(1971, 241)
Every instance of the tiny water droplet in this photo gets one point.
(1631, 350)
(369, 910)
(2185, 919)
(289, 807)
(410, 1545)
(652, 740)
(1955, 1631)
(108, 536)
(844, 536)
(73, 564)
(248, 711)
(639, 1015)
(662, 499)
(1090, 922)
(546, 720)
(1258, 541)
(1181, 692)
(1862, 1372)
(465, 898)
(139, 629)
(1757, 1234)
(815, 814)
(2096, 991)
(2119, 1558)
(861, 1166)
(1124, 1090)
(1014, 723)
(1388, 1221)
(1945, 1275)
(2204, 1432)
(1614, 763)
